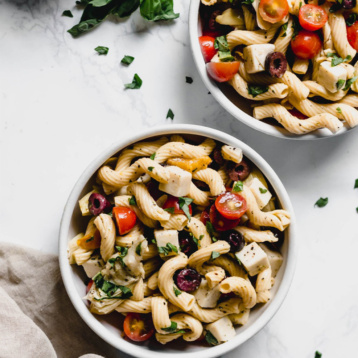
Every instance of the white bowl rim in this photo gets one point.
(229, 106)
(65, 268)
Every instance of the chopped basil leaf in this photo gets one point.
(155, 10)
(110, 288)
(90, 239)
(165, 250)
(256, 90)
(351, 19)
(211, 339)
(238, 186)
(215, 255)
(357, 209)
(138, 249)
(102, 50)
(67, 13)
(224, 52)
(132, 200)
(150, 169)
(321, 202)
(318, 355)
(177, 292)
(172, 247)
(340, 84)
(184, 205)
(181, 331)
(336, 60)
(356, 184)
(263, 190)
(152, 156)
(188, 80)
(196, 241)
(123, 251)
(338, 109)
(284, 28)
(135, 84)
(170, 114)
(126, 292)
(210, 228)
(172, 328)
(127, 60)
(349, 83)
(170, 210)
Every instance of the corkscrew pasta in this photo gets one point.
(181, 261)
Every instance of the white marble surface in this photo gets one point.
(61, 104)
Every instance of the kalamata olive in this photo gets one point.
(217, 156)
(239, 171)
(212, 24)
(188, 280)
(348, 4)
(276, 64)
(186, 243)
(97, 204)
(235, 239)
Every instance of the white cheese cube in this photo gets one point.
(262, 195)
(179, 182)
(83, 203)
(93, 266)
(255, 56)
(207, 297)
(329, 76)
(222, 329)
(163, 237)
(253, 258)
(275, 259)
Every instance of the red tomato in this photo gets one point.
(125, 219)
(173, 202)
(273, 10)
(231, 205)
(89, 285)
(352, 35)
(207, 47)
(219, 222)
(312, 17)
(297, 113)
(204, 217)
(137, 327)
(306, 44)
(222, 71)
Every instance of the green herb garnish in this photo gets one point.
(211, 339)
(67, 13)
(318, 355)
(153, 156)
(177, 292)
(90, 239)
(349, 83)
(135, 84)
(102, 50)
(138, 249)
(165, 250)
(336, 60)
(340, 84)
(284, 28)
(150, 169)
(338, 109)
(321, 202)
(132, 200)
(224, 52)
(255, 90)
(215, 255)
(170, 210)
(238, 186)
(184, 205)
(356, 184)
(170, 114)
(110, 288)
(127, 60)
(172, 328)
(263, 190)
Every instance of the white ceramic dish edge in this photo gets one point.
(117, 341)
(229, 106)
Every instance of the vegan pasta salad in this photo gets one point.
(182, 238)
(295, 59)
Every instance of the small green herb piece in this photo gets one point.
(138, 249)
(321, 202)
(157, 10)
(184, 205)
(165, 250)
(356, 184)
(170, 114)
(338, 109)
(351, 19)
(215, 255)
(196, 241)
(176, 291)
(211, 339)
(238, 186)
(349, 83)
(318, 355)
(67, 13)
(336, 60)
(126, 292)
(132, 200)
(136, 83)
(90, 239)
(263, 190)
(153, 156)
(188, 80)
(224, 52)
(340, 84)
(110, 288)
(172, 328)
(123, 251)
(150, 169)
(257, 90)
(127, 60)
(170, 210)
(284, 28)
(210, 228)
(357, 209)
(102, 50)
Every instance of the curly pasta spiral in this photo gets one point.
(105, 225)
(318, 90)
(144, 306)
(251, 235)
(198, 229)
(212, 178)
(263, 286)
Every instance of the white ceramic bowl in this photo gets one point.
(229, 99)
(104, 326)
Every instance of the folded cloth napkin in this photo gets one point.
(37, 318)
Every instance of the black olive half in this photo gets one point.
(276, 64)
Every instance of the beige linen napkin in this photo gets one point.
(37, 318)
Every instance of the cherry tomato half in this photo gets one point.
(173, 202)
(219, 222)
(352, 35)
(273, 10)
(297, 113)
(89, 285)
(222, 71)
(125, 219)
(138, 327)
(306, 44)
(231, 205)
(312, 17)
(207, 47)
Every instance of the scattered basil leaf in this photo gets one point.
(102, 50)
(196, 241)
(349, 83)
(321, 202)
(127, 60)
(150, 169)
(340, 84)
(123, 251)
(356, 184)
(155, 10)
(184, 205)
(357, 209)
(90, 239)
(336, 60)
(284, 28)
(138, 249)
(351, 19)
(318, 355)
(263, 190)
(211, 339)
(176, 291)
(215, 255)
(224, 52)
(188, 80)
(210, 228)
(132, 200)
(338, 109)
(136, 83)
(165, 250)
(255, 90)
(67, 13)
(238, 186)
(170, 210)
(172, 328)
(170, 114)
(110, 288)
(152, 156)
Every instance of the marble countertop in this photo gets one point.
(61, 104)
